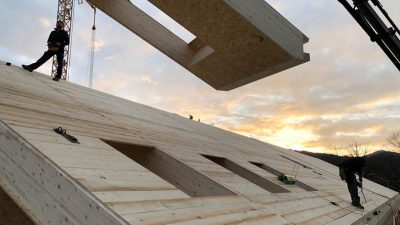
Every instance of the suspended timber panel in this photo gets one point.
(237, 41)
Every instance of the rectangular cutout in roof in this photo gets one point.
(267, 168)
(301, 164)
(175, 172)
(247, 174)
(277, 173)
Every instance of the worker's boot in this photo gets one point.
(56, 78)
(358, 205)
(25, 67)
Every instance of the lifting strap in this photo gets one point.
(92, 48)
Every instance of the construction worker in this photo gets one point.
(58, 39)
(347, 171)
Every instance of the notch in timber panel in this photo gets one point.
(247, 174)
(172, 170)
(267, 168)
(277, 173)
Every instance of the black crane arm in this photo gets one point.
(366, 16)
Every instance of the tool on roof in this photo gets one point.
(290, 179)
(335, 203)
(287, 179)
(64, 133)
(362, 192)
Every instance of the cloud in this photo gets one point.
(112, 57)
(146, 78)
(348, 91)
(45, 22)
(98, 44)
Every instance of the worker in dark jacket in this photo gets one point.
(58, 39)
(347, 171)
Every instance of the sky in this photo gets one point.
(349, 91)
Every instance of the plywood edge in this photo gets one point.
(150, 30)
(270, 22)
(381, 215)
(276, 69)
(45, 192)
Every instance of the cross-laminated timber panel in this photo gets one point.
(98, 173)
(237, 41)
(43, 190)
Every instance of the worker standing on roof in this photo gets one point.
(58, 39)
(347, 170)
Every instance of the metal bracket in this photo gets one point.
(64, 133)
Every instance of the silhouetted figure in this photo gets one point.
(347, 171)
(191, 117)
(58, 39)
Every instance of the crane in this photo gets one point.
(65, 13)
(362, 11)
(373, 25)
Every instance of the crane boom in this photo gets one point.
(374, 26)
(65, 13)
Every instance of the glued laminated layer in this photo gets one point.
(237, 41)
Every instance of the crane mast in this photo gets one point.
(65, 13)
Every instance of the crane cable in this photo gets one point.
(92, 48)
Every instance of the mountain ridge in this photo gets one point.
(383, 167)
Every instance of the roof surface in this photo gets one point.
(139, 165)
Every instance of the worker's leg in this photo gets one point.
(352, 186)
(46, 56)
(60, 62)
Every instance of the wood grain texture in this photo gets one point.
(97, 174)
(237, 41)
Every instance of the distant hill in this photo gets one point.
(382, 167)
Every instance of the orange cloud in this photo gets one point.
(348, 91)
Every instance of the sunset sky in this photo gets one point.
(349, 91)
